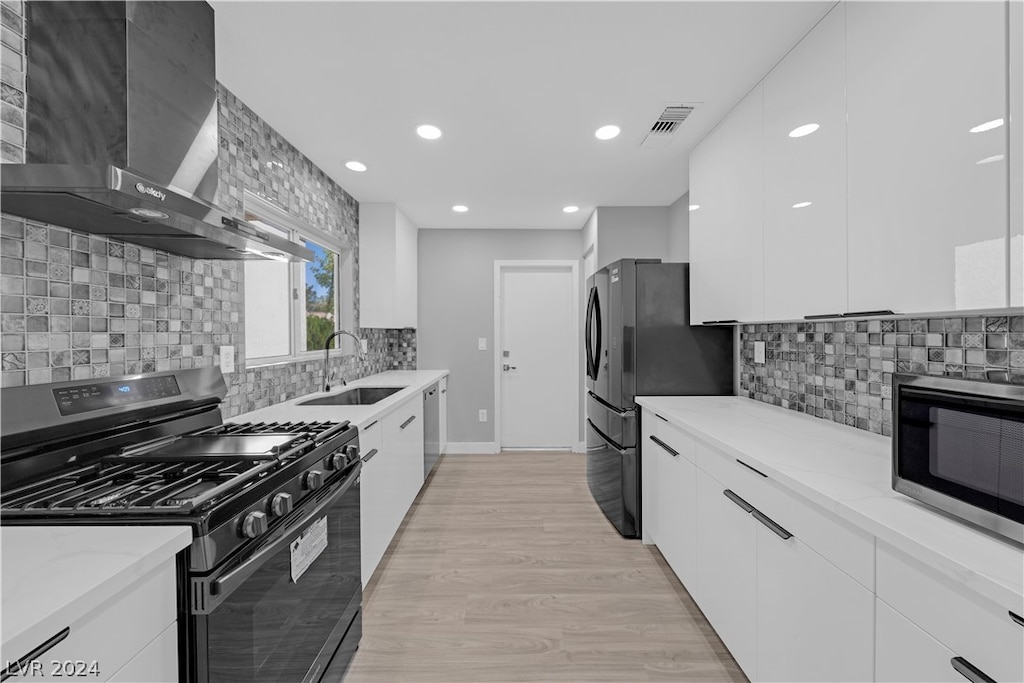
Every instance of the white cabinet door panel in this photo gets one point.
(805, 246)
(814, 623)
(726, 235)
(156, 663)
(906, 654)
(727, 571)
(676, 487)
(377, 500)
(927, 197)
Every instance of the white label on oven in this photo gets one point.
(308, 547)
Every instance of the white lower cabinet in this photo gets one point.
(443, 415)
(157, 663)
(391, 478)
(814, 622)
(905, 653)
(115, 633)
(676, 501)
(727, 570)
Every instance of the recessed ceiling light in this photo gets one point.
(460, 208)
(694, 207)
(989, 160)
(356, 166)
(570, 209)
(988, 125)
(800, 205)
(606, 132)
(803, 130)
(428, 132)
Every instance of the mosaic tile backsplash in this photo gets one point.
(842, 370)
(75, 306)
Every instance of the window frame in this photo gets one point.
(260, 210)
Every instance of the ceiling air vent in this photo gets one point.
(660, 133)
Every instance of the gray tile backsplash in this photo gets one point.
(75, 306)
(842, 370)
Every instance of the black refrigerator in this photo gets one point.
(638, 342)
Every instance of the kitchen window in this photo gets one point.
(291, 308)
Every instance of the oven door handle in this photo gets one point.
(224, 585)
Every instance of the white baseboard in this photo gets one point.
(581, 447)
(471, 448)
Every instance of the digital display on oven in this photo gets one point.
(89, 397)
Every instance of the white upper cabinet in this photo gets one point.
(388, 253)
(926, 152)
(805, 177)
(726, 235)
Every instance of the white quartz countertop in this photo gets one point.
(414, 381)
(848, 472)
(51, 576)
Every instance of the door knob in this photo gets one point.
(506, 367)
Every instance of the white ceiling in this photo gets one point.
(517, 87)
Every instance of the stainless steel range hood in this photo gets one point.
(122, 135)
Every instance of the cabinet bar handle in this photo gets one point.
(1018, 618)
(969, 671)
(366, 458)
(660, 417)
(719, 322)
(369, 425)
(754, 469)
(747, 507)
(20, 666)
(867, 314)
(407, 422)
(776, 529)
(671, 451)
(823, 316)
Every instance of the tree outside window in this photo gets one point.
(321, 279)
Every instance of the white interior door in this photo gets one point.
(538, 356)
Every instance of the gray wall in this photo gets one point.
(679, 230)
(456, 307)
(631, 232)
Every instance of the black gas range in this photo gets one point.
(152, 449)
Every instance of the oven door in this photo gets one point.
(253, 622)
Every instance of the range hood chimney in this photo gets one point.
(122, 136)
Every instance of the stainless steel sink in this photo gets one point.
(359, 396)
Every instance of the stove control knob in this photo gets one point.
(335, 461)
(281, 504)
(313, 480)
(254, 524)
(351, 453)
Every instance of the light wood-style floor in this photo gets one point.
(506, 570)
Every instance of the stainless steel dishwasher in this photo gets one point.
(431, 428)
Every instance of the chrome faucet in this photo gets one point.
(327, 354)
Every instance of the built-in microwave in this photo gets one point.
(958, 445)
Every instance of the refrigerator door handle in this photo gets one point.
(608, 440)
(589, 332)
(597, 344)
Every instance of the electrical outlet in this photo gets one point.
(227, 359)
(759, 352)
(364, 344)
(481, 344)
(483, 416)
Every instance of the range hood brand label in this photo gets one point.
(151, 191)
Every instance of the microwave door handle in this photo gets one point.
(224, 585)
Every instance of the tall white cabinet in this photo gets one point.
(908, 195)
(726, 235)
(805, 177)
(928, 197)
(388, 253)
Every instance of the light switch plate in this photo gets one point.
(759, 352)
(481, 344)
(227, 359)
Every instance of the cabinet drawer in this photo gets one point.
(671, 436)
(850, 549)
(972, 627)
(157, 663)
(115, 632)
